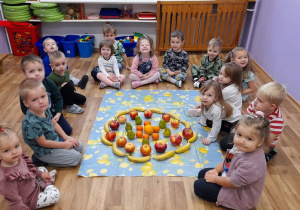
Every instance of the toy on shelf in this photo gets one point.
(126, 40)
(137, 35)
(86, 39)
(72, 12)
(127, 13)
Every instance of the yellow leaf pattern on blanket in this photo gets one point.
(197, 99)
(119, 93)
(168, 94)
(148, 98)
(103, 171)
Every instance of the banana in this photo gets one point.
(141, 109)
(173, 116)
(194, 137)
(164, 156)
(138, 159)
(121, 113)
(156, 110)
(117, 151)
(106, 126)
(105, 141)
(186, 123)
(184, 148)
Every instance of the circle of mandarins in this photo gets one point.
(163, 156)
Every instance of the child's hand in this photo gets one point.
(212, 171)
(73, 141)
(198, 107)
(113, 79)
(56, 117)
(202, 79)
(119, 79)
(63, 84)
(205, 141)
(127, 67)
(177, 72)
(68, 144)
(46, 177)
(210, 177)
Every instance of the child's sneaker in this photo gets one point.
(116, 85)
(75, 109)
(83, 81)
(102, 85)
(196, 79)
(271, 154)
(178, 83)
(197, 84)
(194, 112)
(37, 161)
(136, 84)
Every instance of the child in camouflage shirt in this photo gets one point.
(176, 61)
(210, 65)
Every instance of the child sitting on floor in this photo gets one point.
(45, 137)
(109, 73)
(176, 61)
(20, 180)
(50, 45)
(210, 65)
(144, 69)
(61, 77)
(32, 67)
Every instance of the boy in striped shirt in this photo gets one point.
(268, 99)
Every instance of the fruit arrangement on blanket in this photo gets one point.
(145, 132)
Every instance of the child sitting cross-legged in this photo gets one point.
(20, 180)
(61, 77)
(45, 137)
(176, 61)
(50, 45)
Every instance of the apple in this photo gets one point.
(145, 149)
(114, 125)
(160, 146)
(122, 119)
(110, 135)
(148, 114)
(175, 139)
(166, 117)
(175, 123)
(129, 147)
(187, 133)
(121, 141)
(132, 114)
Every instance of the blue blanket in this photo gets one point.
(99, 159)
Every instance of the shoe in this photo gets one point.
(160, 79)
(83, 81)
(196, 79)
(116, 85)
(178, 83)
(156, 81)
(271, 154)
(102, 85)
(197, 84)
(75, 109)
(194, 112)
(37, 161)
(136, 84)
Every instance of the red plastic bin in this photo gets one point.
(23, 37)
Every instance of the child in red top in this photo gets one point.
(20, 180)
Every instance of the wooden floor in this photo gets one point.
(281, 191)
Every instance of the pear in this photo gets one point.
(130, 134)
(128, 126)
(145, 141)
(167, 132)
(138, 120)
(162, 124)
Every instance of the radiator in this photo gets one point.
(200, 21)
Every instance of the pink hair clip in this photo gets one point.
(1, 129)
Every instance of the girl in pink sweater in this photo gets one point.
(237, 183)
(144, 69)
(20, 180)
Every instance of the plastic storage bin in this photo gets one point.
(128, 46)
(86, 49)
(70, 46)
(22, 38)
(40, 47)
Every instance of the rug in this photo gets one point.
(99, 159)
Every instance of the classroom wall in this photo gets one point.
(275, 42)
(3, 46)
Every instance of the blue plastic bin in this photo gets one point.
(70, 46)
(39, 44)
(86, 49)
(129, 47)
